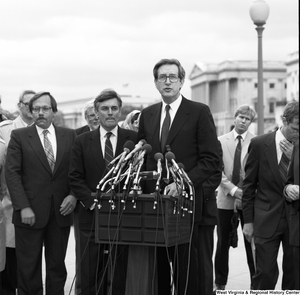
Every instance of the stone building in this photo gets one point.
(225, 86)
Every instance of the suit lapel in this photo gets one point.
(231, 144)
(96, 148)
(61, 145)
(180, 119)
(35, 143)
(154, 126)
(271, 155)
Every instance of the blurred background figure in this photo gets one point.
(291, 192)
(9, 274)
(2, 219)
(131, 121)
(90, 117)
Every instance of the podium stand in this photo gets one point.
(137, 220)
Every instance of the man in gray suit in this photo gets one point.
(230, 193)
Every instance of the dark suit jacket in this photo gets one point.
(263, 199)
(88, 168)
(29, 177)
(82, 129)
(192, 138)
(293, 178)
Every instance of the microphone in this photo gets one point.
(171, 158)
(184, 174)
(136, 149)
(158, 157)
(147, 175)
(146, 149)
(128, 146)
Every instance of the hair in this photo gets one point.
(87, 106)
(38, 95)
(135, 117)
(107, 94)
(165, 61)
(245, 109)
(25, 92)
(291, 111)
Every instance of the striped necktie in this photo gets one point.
(165, 128)
(48, 150)
(109, 154)
(283, 167)
(237, 162)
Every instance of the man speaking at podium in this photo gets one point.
(187, 127)
(91, 154)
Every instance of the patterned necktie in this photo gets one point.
(237, 162)
(283, 167)
(48, 150)
(165, 128)
(109, 154)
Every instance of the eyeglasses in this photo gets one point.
(45, 110)
(163, 78)
(26, 104)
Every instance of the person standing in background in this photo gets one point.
(2, 218)
(37, 167)
(90, 158)
(264, 206)
(229, 199)
(92, 124)
(90, 117)
(291, 192)
(9, 275)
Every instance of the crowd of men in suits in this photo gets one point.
(49, 175)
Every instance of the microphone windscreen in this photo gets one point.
(148, 148)
(129, 145)
(158, 156)
(170, 156)
(181, 166)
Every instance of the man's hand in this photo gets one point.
(248, 231)
(68, 205)
(27, 216)
(287, 148)
(237, 205)
(292, 192)
(173, 190)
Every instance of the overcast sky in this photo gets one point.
(75, 49)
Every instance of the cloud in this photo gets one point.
(76, 48)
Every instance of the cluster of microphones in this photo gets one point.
(126, 168)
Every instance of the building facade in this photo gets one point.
(292, 66)
(225, 86)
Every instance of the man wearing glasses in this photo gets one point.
(9, 274)
(191, 135)
(37, 167)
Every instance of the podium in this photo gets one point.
(137, 220)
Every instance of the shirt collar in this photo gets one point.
(50, 129)
(235, 134)
(103, 131)
(174, 105)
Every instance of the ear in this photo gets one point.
(284, 121)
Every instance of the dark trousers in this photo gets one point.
(191, 264)
(222, 253)
(77, 250)
(267, 271)
(29, 246)
(8, 277)
(296, 252)
(103, 268)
